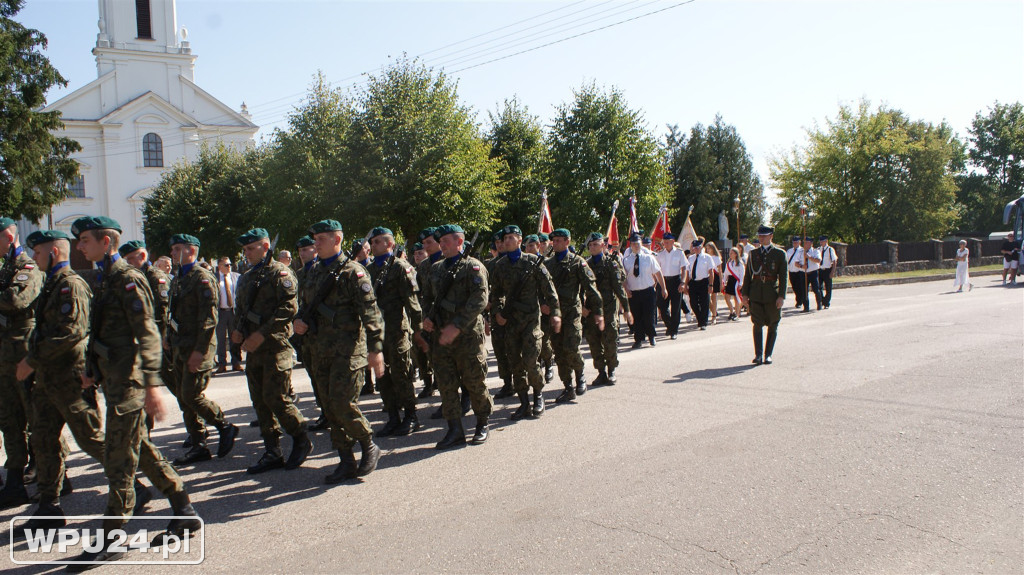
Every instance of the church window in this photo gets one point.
(152, 151)
(143, 20)
(77, 187)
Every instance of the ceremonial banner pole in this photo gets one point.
(540, 216)
(611, 220)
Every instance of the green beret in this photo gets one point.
(561, 233)
(186, 239)
(543, 238)
(496, 236)
(417, 247)
(40, 237)
(304, 241)
(448, 229)
(379, 231)
(253, 235)
(357, 244)
(6, 223)
(130, 247)
(595, 237)
(426, 233)
(324, 226)
(513, 229)
(531, 238)
(94, 223)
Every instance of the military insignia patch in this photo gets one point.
(161, 281)
(360, 274)
(366, 287)
(287, 283)
(65, 290)
(207, 293)
(476, 268)
(129, 286)
(30, 267)
(163, 293)
(284, 273)
(478, 280)
(65, 309)
(137, 305)
(21, 277)
(408, 271)
(205, 282)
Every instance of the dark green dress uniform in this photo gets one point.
(604, 345)
(22, 283)
(394, 283)
(520, 285)
(266, 302)
(191, 324)
(572, 277)
(764, 282)
(456, 295)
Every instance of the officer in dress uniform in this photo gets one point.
(764, 287)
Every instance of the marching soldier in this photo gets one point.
(192, 323)
(610, 280)
(764, 287)
(266, 304)
(432, 254)
(547, 353)
(521, 291)
(394, 284)
(572, 277)
(20, 285)
(455, 298)
(344, 330)
(497, 330)
(307, 256)
(123, 356)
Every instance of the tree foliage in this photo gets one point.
(35, 165)
(517, 143)
(870, 176)
(599, 151)
(997, 152)
(709, 168)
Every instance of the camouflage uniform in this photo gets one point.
(518, 289)
(604, 345)
(423, 361)
(160, 285)
(498, 336)
(572, 277)
(305, 352)
(764, 282)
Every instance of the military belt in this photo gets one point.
(765, 277)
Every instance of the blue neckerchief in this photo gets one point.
(99, 265)
(326, 262)
(514, 256)
(185, 268)
(18, 251)
(436, 257)
(308, 265)
(597, 258)
(57, 267)
(449, 262)
(379, 261)
(257, 265)
(366, 262)
(559, 256)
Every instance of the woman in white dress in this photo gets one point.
(962, 278)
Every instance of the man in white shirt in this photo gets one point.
(698, 282)
(812, 257)
(642, 275)
(673, 266)
(227, 280)
(745, 248)
(828, 266)
(795, 266)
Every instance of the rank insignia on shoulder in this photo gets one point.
(21, 277)
(65, 290)
(129, 286)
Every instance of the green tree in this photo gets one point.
(599, 151)
(997, 151)
(35, 165)
(417, 155)
(215, 198)
(711, 167)
(517, 142)
(870, 176)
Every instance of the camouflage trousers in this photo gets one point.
(499, 337)
(269, 373)
(306, 355)
(523, 344)
(57, 400)
(396, 387)
(604, 345)
(422, 360)
(566, 344)
(13, 405)
(463, 364)
(547, 353)
(339, 387)
(196, 408)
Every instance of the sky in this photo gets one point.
(771, 68)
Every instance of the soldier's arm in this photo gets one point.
(619, 286)
(476, 275)
(283, 284)
(369, 313)
(547, 291)
(137, 302)
(426, 291)
(24, 289)
(410, 297)
(209, 299)
(748, 275)
(588, 283)
(158, 286)
(783, 276)
(71, 328)
(240, 303)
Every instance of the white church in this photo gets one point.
(141, 115)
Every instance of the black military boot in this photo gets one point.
(394, 421)
(228, 432)
(601, 379)
(481, 431)
(506, 390)
(524, 409)
(14, 494)
(320, 424)
(568, 395)
(30, 471)
(345, 470)
(187, 524)
(142, 498)
(467, 403)
(611, 376)
(538, 404)
(581, 384)
(368, 461)
(428, 387)
(104, 554)
(438, 413)
(198, 453)
(187, 444)
(48, 515)
(758, 347)
(769, 345)
(271, 459)
(301, 448)
(455, 437)
(368, 385)
(410, 424)
(549, 372)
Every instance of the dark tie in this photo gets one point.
(636, 266)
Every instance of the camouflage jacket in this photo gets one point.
(269, 310)
(16, 311)
(192, 317)
(456, 294)
(347, 321)
(519, 289)
(574, 279)
(397, 292)
(160, 285)
(610, 280)
(62, 324)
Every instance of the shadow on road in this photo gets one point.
(714, 373)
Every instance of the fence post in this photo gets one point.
(974, 247)
(840, 253)
(936, 250)
(894, 252)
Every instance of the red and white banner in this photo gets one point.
(613, 231)
(633, 225)
(661, 227)
(545, 226)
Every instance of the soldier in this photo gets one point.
(266, 305)
(495, 329)
(432, 254)
(20, 285)
(394, 284)
(764, 288)
(344, 330)
(123, 355)
(455, 297)
(572, 277)
(191, 325)
(307, 256)
(521, 290)
(610, 280)
(136, 254)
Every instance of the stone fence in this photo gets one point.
(933, 254)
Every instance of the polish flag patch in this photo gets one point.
(30, 267)
(129, 286)
(476, 268)
(359, 274)
(161, 281)
(408, 271)
(284, 273)
(65, 290)
(205, 282)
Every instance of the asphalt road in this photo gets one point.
(887, 437)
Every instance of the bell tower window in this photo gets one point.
(143, 20)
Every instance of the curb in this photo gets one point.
(909, 280)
